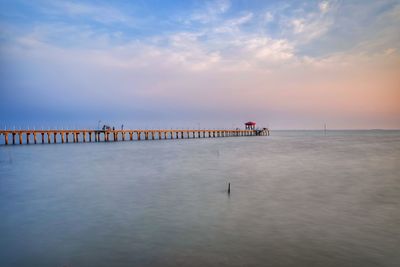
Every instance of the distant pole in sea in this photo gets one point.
(325, 129)
(229, 188)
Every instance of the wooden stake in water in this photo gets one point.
(325, 129)
(229, 188)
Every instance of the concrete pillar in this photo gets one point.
(84, 137)
(6, 138)
(48, 138)
(55, 138)
(42, 137)
(75, 139)
(62, 137)
(188, 134)
(27, 137)
(90, 136)
(115, 136)
(177, 135)
(182, 135)
(34, 138)
(123, 136)
(130, 136)
(146, 135)
(152, 135)
(138, 135)
(20, 138)
(13, 137)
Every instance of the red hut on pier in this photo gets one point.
(251, 125)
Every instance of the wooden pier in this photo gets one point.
(86, 135)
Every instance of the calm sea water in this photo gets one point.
(297, 199)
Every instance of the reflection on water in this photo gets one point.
(297, 199)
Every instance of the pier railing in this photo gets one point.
(86, 135)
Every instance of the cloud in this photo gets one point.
(98, 13)
(210, 12)
(324, 6)
(268, 17)
(270, 50)
(232, 25)
(310, 25)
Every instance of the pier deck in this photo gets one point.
(86, 135)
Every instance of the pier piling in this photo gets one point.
(104, 135)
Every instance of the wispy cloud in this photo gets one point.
(98, 13)
(324, 6)
(309, 25)
(211, 11)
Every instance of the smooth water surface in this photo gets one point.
(297, 199)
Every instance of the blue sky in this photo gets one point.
(285, 64)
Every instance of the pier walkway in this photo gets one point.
(86, 135)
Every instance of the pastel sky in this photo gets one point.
(155, 63)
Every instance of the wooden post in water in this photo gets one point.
(229, 188)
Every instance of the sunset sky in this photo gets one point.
(283, 64)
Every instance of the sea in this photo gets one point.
(297, 198)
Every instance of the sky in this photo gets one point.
(200, 64)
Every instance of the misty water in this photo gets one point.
(298, 198)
